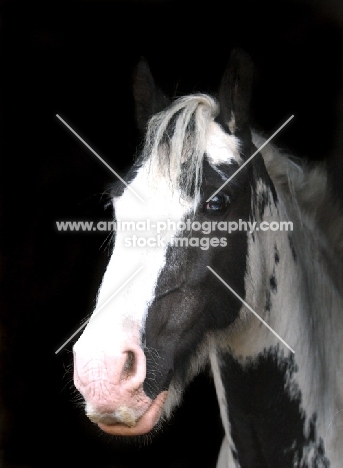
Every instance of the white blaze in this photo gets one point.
(122, 319)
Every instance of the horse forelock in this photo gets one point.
(176, 141)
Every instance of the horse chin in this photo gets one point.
(143, 425)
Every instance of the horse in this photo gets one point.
(204, 273)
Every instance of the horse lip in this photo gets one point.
(143, 425)
(109, 419)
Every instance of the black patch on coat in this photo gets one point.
(266, 198)
(267, 423)
(268, 305)
(273, 283)
(189, 300)
(291, 244)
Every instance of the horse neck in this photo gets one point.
(291, 283)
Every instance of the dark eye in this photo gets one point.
(217, 204)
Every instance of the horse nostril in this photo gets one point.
(130, 364)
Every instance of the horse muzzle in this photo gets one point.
(112, 386)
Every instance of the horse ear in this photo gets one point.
(148, 97)
(235, 92)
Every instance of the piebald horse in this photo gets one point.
(203, 277)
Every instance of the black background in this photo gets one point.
(76, 59)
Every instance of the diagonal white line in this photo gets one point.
(99, 157)
(248, 160)
(99, 309)
(251, 310)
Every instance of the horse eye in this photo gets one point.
(217, 204)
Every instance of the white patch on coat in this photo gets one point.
(221, 147)
(226, 459)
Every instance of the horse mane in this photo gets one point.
(176, 141)
(306, 191)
